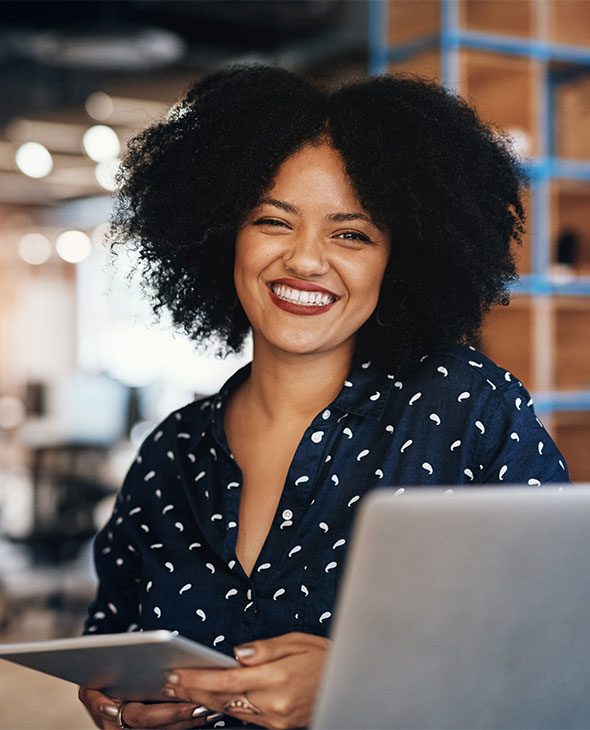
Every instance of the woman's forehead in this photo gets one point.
(314, 176)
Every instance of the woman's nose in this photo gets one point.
(306, 256)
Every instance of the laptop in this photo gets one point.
(464, 608)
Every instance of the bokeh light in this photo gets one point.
(98, 235)
(100, 106)
(12, 412)
(105, 173)
(34, 248)
(34, 160)
(101, 143)
(73, 246)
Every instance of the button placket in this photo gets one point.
(295, 499)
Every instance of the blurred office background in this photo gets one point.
(85, 371)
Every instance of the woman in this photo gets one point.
(360, 234)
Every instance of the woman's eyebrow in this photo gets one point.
(334, 217)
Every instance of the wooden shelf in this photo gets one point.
(571, 431)
(572, 116)
(499, 52)
(571, 346)
(569, 21)
(570, 211)
(507, 338)
(425, 64)
(490, 16)
(492, 83)
(563, 25)
(408, 20)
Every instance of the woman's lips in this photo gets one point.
(306, 309)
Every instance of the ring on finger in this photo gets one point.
(120, 722)
(242, 703)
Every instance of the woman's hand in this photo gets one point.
(281, 678)
(104, 711)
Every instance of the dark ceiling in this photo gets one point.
(143, 54)
(53, 54)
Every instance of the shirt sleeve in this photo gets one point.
(117, 563)
(521, 451)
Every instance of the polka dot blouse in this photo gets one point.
(166, 558)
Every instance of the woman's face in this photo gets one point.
(309, 261)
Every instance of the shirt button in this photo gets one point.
(287, 514)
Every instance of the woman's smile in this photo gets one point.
(301, 297)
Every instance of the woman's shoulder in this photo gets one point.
(461, 375)
(462, 402)
(463, 364)
(181, 428)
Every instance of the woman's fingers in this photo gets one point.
(282, 687)
(277, 647)
(169, 715)
(99, 705)
(222, 681)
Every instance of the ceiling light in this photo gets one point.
(125, 111)
(34, 159)
(73, 246)
(34, 248)
(101, 143)
(100, 106)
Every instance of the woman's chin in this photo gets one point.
(304, 345)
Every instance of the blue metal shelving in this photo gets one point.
(541, 169)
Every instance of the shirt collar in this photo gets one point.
(364, 392)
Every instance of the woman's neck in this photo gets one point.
(286, 387)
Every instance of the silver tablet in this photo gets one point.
(127, 666)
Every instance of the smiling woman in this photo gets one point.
(360, 235)
(313, 257)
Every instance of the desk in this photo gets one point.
(31, 700)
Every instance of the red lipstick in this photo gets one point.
(304, 309)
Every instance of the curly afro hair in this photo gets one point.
(420, 161)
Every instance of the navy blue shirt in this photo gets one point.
(166, 558)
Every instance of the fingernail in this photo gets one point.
(243, 652)
(110, 710)
(200, 711)
(172, 678)
(167, 692)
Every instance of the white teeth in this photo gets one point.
(298, 296)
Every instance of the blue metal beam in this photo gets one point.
(449, 23)
(542, 285)
(378, 40)
(557, 168)
(575, 400)
(496, 43)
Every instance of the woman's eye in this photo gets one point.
(268, 222)
(357, 236)
(351, 235)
